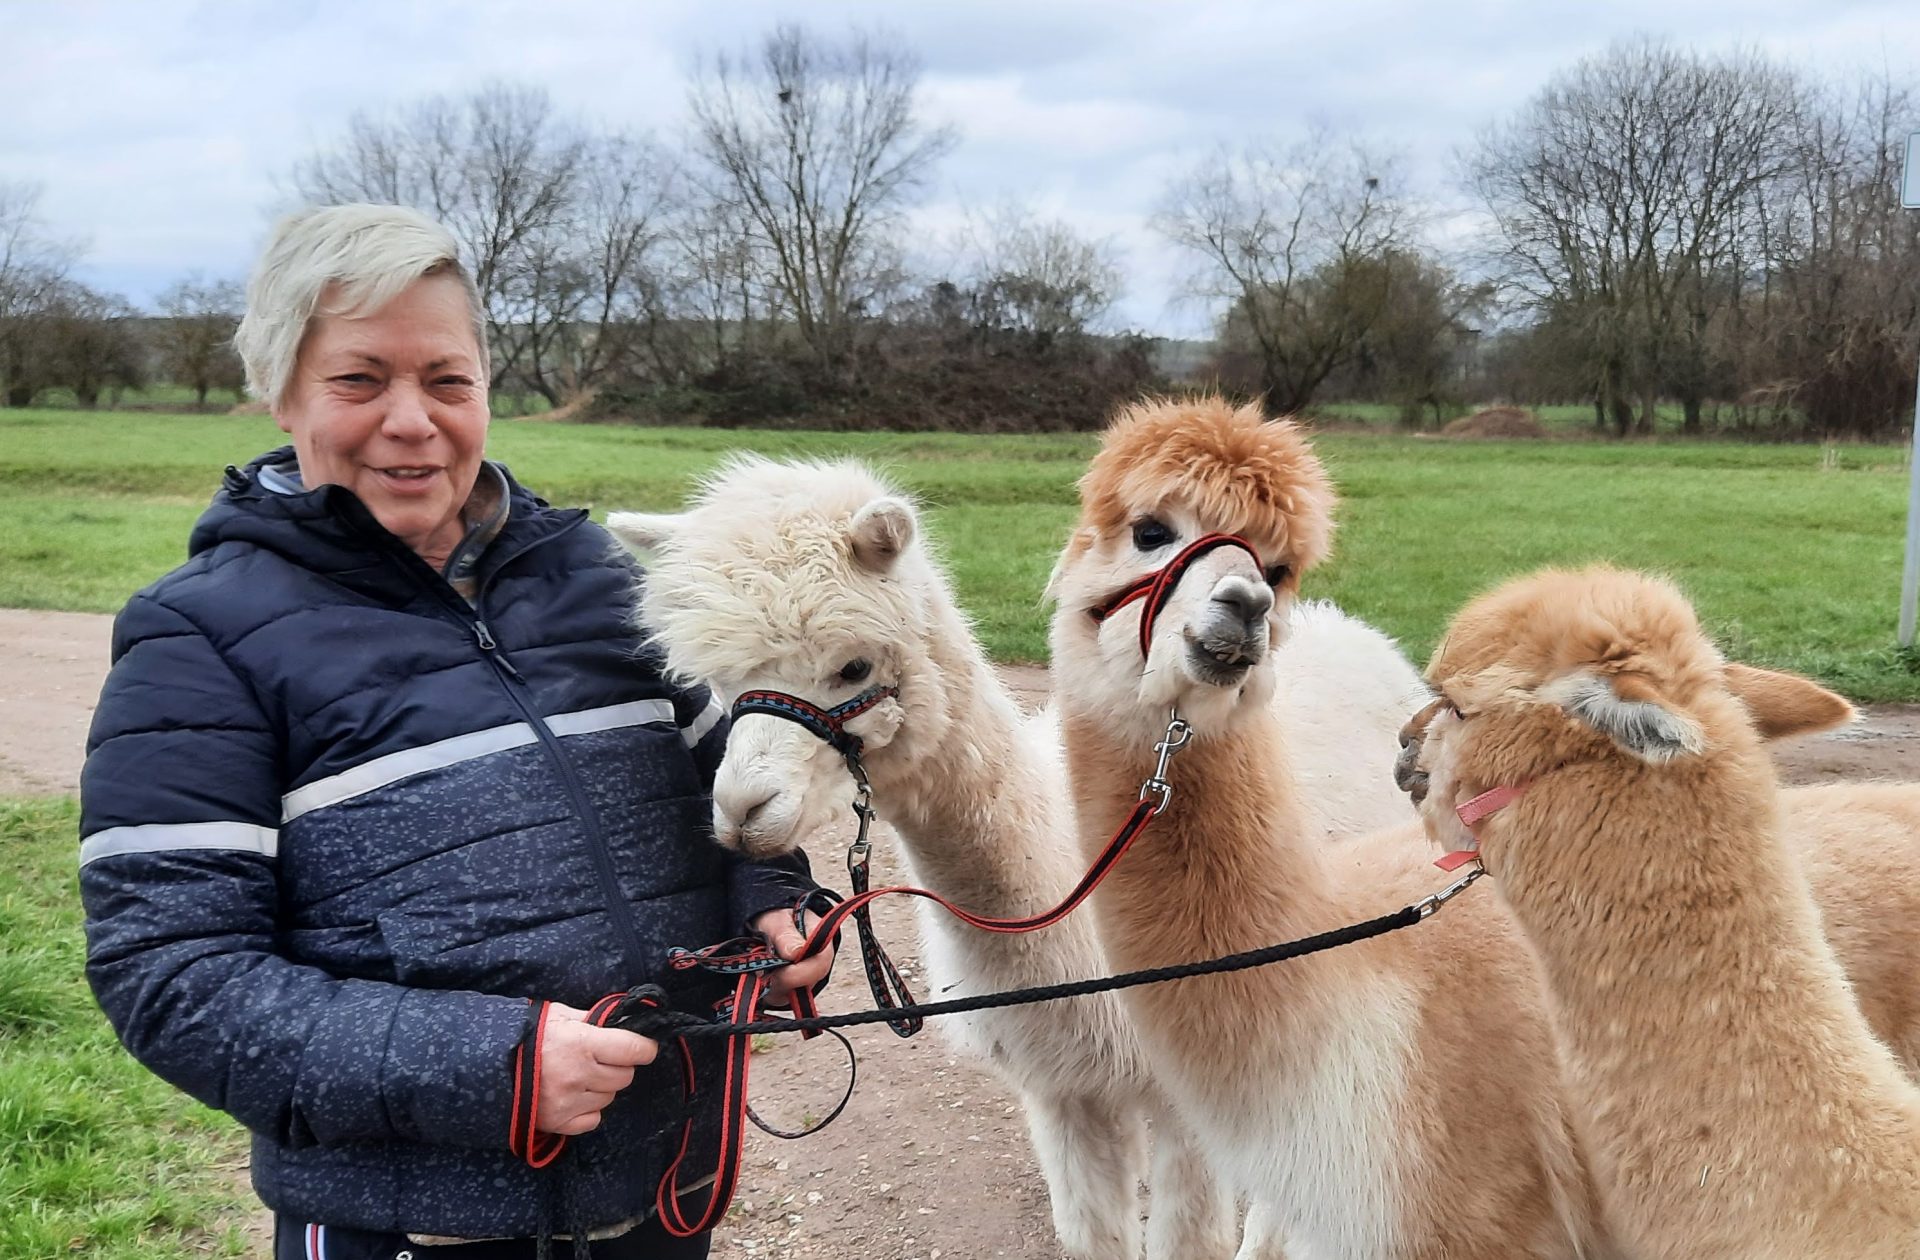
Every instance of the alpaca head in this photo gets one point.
(809, 579)
(1564, 668)
(1168, 473)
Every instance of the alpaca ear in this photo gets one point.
(642, 531)
(880, 531)
(1630, 711)
(1786, 704)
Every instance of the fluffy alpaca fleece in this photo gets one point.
(781, 575)
(1397, 1098)
(1732, 1098)
(1857, 843)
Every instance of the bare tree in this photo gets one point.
(1038, 277)
(33, 273)
(819, 147)
(91, 343)
(1837, 322)
(1291, 238)
(195, 337)
(720, 286)
(1624, 197)
(1418, 351)
(590, 301)
(497, 166)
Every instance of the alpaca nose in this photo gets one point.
(1407, 775)
(1246, 601)
(737, 804)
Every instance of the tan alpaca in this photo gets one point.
(1393, 1099)
(1859, 846)
(1857, 843)
(1729, 1092)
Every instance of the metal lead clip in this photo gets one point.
(1429, 905)
(863, 810)
(1178, 733)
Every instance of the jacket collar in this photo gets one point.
(328, 529)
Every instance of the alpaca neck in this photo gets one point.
(1233, 839)
(1692, 929)
(974, 810)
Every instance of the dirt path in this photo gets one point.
(931, 1158)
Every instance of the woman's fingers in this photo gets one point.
(779, 929)
(582, 1067)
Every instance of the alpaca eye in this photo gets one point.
(855, 670)
(1278, 573)
(1151, 535)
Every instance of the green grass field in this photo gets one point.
(1792, 552)
(102, 1159)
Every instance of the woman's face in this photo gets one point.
(392, 405)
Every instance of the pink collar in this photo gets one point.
(1471, 813)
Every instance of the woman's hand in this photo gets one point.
(582, 1066)
(777, 926)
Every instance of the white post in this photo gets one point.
(1910, 575)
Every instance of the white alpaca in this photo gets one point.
(1733, 1097)
(813, 580)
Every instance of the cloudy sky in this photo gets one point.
(161, 130)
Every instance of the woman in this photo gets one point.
(381, 766)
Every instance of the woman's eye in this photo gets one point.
(1151, 535)
(1278, 573)
(855, 671)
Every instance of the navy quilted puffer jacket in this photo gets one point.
(340, 825)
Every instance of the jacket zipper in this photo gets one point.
(515, 683)
(610, 890)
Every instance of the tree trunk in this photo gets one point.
(1691, 426)
(1613, 393)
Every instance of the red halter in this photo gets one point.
(1157, 587)
(1471, 813)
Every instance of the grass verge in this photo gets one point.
(103, 1160)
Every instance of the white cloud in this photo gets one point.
(160, 129)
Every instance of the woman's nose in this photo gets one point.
(407, 415)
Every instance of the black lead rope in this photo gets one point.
(656, 1021)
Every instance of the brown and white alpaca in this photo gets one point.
(1731, 1095)
(814, 579)
(1857, 843)
(1395, 1098)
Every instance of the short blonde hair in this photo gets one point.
(366, 254)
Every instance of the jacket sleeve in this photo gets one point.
(754, 886)
(180, 814)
